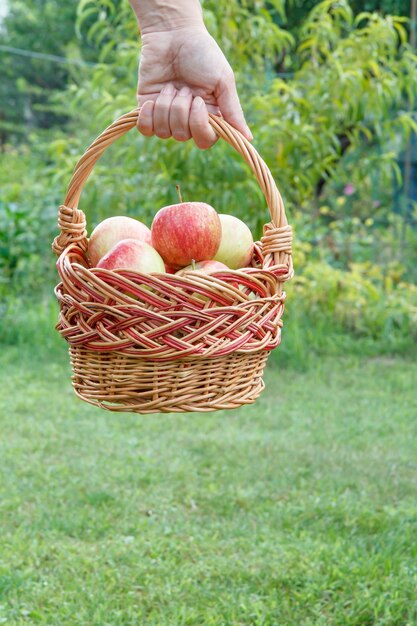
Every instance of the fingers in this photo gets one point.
(145, 121)
(179, 115)
(161, 111)
(229, 105)
(203, 134)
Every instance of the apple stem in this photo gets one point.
(178, 188)
(193, 264)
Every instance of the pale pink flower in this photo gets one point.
(349, 189)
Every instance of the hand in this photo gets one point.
(183, 75)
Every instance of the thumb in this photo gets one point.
(230, 108)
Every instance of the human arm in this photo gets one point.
(183, 74)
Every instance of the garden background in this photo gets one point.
(302, 508)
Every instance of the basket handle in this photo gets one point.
(277, 237)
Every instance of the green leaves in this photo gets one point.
(365, 301)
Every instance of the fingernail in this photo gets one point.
(198, 103)
(184, 91)
(169, 89)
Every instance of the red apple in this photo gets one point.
(236, 245)
(208, 267)
(186, 231)
(111, 231)
(132, 254)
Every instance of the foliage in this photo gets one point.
(365, 301)
(245, 30)
(296, 11)
(32, 186)
(21, 233)
(347, 129)
(347, 98)
(28, 83)
(251, 33)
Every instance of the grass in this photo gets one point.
(298, 510)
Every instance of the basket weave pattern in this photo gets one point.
(163, 342)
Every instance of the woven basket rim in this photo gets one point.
(281, 274)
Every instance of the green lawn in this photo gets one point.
(298, 510)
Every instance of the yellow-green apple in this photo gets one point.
(111, 231)
(236, 244)
(132, 254)
(186, 231)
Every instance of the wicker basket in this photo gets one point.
(148, 343)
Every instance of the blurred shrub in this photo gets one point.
(364, 301)
(27, 207)
(32, 187)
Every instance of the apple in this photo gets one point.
(111, 231)
(186, 231)
(132, 254)
(236, 245)
(204, 267)
(208, 267)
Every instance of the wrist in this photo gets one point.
(168, 25)
(166, 15)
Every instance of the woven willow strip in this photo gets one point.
(122, 383)
(151, 343)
